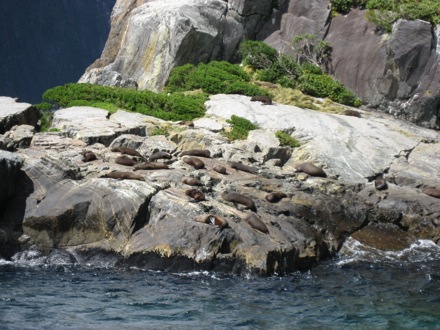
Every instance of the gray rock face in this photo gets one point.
(149, 38)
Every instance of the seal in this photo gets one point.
(220, 169)
(242, 167)
(195, 194)
(237, 198)
(380, 183)
(310, 169)
(159, 155)
(196, 152)
(123, 176)
(125, 160)
(192, 181)
(255, 222)
(213, 220)
(431, 192)
(194, 162)
(88, 156)
(266, 100)
(150, 166)
(352, 113)
(275, 197)
(127, 151)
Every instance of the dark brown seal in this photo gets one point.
(275, 197)
(194, 162)
(125, 160)
(431, 192)
(88, 156)
(352, 113)
(237, 198)
(242, 167)
(266, 100)
(123, 176)
(192, 181)
(159, 155)
(150, 166)
(380, 183)
(196, 152)
(195, 194)
(310, 169)
(255, 222)
(127, 151)
(213, 220)
(188, 123)
(220, 169)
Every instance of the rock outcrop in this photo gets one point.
(54, 199)
(397, 73)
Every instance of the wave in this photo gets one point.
(422, 251)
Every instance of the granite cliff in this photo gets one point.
(397, 73)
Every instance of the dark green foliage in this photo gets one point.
(213, 78)
(387, 11)
(240, 128)
(322, 85)
(286, 140)
(169, 107)
(284, 71)
(160, 131)
(43, 106)
(257, 54)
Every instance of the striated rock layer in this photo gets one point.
(397, 72)
(99, 211)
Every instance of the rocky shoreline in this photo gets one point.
(52, 200)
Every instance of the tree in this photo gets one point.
(312, 50)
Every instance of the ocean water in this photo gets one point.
(361, 289)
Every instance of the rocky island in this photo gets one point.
(248, 206)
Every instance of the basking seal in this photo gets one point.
(127, 151)
(242, 167)
(237, 198)
(431, 192)
(125, 160)
(150, 166)
(275, 197)
(310, 169)
(380, 183)
(195, 194)
(123, 176)
(266, 100)
(352, 113)
(255, 222)
(192, 181)
(220, 169)
(196, 152)
(213, 220)
(159, 155)
(194, 162)
(88, 156)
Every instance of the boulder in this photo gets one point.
(14, 113)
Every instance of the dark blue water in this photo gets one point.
(401, 291)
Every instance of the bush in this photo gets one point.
(240, 128)
(216, 77)
(160, 131)
(322, 85)
(257, 54)
(168, 107)
(286, 140)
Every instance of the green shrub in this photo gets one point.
(240, 128)
(176, 106)
(286, 140)
(44, 106)
(344, 6)
(257, 54)
(322, 85)
(215, 77)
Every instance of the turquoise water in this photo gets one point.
(356, 291)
